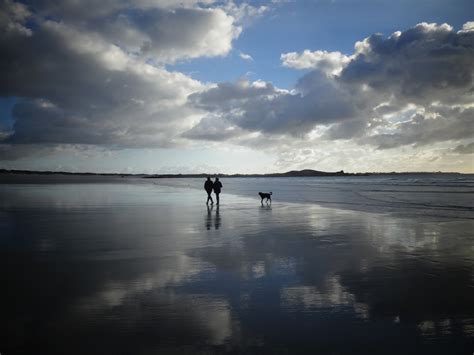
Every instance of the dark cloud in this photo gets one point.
(229, 95)
(464, 149)
(213, 129)
(346, 130)
(422, 130)
(11, 152)
(425, 63)
(261, 107)
(17, 151)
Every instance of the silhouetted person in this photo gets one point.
(217, 188)
(208, 185)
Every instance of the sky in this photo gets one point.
(186, 86)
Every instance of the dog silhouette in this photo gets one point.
(267, 195)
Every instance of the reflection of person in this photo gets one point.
(209, 217)
(217, 188)
(208, 185)
(217, 222)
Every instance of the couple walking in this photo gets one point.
(209, 186)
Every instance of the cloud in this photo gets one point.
(464, 149)
(244, 13)
(391, 92)
(13, 17)
(429, 127)
(170, 35)
(11, 152)
(416, 65)
(161, 31)
(245, 56)
(467, 27)
(329, 62)
(98, 77)
(261, 107)
(213, 129)
(79, 89)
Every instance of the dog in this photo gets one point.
(266, 195)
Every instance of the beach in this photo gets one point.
(140, 266)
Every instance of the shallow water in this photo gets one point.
(435, 195)
(138, 268)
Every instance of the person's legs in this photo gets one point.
(209, 197)
(217, 197)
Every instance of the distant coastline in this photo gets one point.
(292, 173)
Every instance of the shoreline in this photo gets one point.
(293, 173)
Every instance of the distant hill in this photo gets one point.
(309, 172)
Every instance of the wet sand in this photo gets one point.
(131, 268)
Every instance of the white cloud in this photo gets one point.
(329, 62)
(467, 27)
(244, 13)
(166, 35)
(245, 56)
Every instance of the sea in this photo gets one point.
(436, 195)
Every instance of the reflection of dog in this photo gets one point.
(266, 195)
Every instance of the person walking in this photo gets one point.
(208, 185)
(217, 189)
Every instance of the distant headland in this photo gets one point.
(292, 173)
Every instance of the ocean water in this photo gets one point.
(140, 266)
(437, 195)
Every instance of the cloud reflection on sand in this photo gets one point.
(312, 299)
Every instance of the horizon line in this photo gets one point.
(340, 172)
